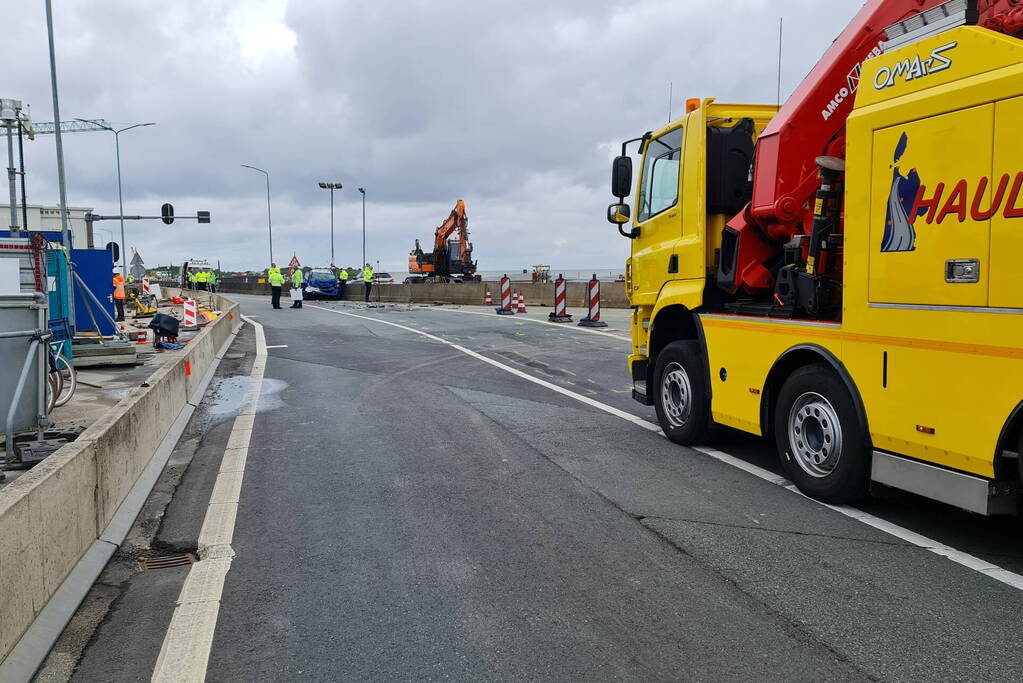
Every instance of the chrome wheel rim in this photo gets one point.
(815, 435)
(676, 395)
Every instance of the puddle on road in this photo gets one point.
(226, 395)
(117, 394)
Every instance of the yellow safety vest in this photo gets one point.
(344, 274)
(367, 275)
(296, 279)
(274, 277)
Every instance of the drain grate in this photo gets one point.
(166, 561)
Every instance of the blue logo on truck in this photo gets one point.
(899, 234)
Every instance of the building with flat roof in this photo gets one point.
(47, 218)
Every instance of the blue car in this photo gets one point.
(320, 283)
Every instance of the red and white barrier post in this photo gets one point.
(506, 297)
(560, 314)
(522, 303)
(145, 285)
(593, 319)
(488, 300)
(189, 314)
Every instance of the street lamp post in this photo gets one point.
(331, 187)
(362, 191)
(120, 195)
(269, 225)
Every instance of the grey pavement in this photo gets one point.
(411, 513)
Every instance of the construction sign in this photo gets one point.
(294, 263)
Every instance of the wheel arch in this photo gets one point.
(1009, 440)
(793, 359)
(674, 323)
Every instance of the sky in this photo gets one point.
(516, 107)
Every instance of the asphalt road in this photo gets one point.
(411, 512)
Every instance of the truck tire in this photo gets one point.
(680, 393)
(820, 442)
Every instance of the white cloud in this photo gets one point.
(516, 107)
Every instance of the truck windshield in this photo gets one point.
(660, 174)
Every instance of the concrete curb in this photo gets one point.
(61, 522)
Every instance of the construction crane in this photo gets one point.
(77, 126)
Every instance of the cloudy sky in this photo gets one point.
(516, 107)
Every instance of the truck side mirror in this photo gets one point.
(619, 214)
(621, 177)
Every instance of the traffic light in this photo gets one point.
(203, 216)
(114, 250)
(167, 211)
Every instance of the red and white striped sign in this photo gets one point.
(515, 301)
(506, 297)
(522, 304)
(189, 313)
(145, 285)
(560, 298)
(594, 300)
(488, 300)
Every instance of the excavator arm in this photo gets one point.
(455, 221)
(811, 124)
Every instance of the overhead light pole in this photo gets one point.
(269, 226)
(362, 191)
(331, 187)
(120, 195)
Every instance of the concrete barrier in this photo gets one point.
(53, 514)
(470, 293)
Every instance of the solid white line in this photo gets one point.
(964, 559)
(185, 652)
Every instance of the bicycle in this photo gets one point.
(62, 378)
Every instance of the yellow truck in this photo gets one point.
(868, 314)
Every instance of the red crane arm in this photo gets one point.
(812, 124)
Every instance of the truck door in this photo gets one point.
(1006, 290)
(658, 216)
(930, 227)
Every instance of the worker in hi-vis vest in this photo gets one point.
(342, 280)
(211, 281)
(297, 278)
(276, 280)
(367, 278)
(119, 295)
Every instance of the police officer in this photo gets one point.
(276, 280)
(297, 276)
(200, 280)
(191, 280)
(342, 280)
(367, 278)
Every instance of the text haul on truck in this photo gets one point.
(843, 274)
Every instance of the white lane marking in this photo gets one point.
(959, 557)
(185, 652)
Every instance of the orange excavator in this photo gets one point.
(451, 259)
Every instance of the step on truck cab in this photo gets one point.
(866, 310)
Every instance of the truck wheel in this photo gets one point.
(680, 393)
(820, 442)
